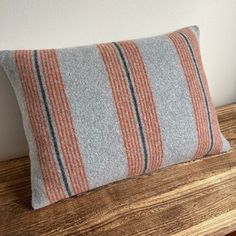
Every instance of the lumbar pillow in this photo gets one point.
(97, 114)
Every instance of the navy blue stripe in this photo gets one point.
(131, 87)
(202, 87)
(50, 123)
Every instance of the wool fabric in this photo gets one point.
(97, 114)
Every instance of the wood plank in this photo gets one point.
(194, 198)
(220, 225)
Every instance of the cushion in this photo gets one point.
(98, 114)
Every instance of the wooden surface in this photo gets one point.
(195, 198)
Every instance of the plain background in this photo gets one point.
(62, 23)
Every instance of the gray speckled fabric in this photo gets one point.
(97, 114)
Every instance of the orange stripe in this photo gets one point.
(123, 46)
(58, 184)
(124, 100)
(205, 131)
(42, 128)
(201, 119)
(50, 175)
(65, 130)
(52, 95)
(70, 131)
(78, 158)
(214, 121)
(60, 118)
(132, 128)
(195, 93)
(146, 101)
(198, 101)
(21, 59)
(118, 99)
(124, 110)
(154, 132)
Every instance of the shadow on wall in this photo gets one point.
(11, 126)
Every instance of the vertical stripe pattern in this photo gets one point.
(217, 144)
(102, 113)
(197, 87)
(146, 103)
(119, 87)
(202, 90)
(52, 182)
(55, 124)
(63, 121)
(135, 104)
(139, 93)
(51, 128)
(196, 94)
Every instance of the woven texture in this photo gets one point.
(97, 114)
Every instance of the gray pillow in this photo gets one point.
(97, 114)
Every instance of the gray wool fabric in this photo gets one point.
(98, 114)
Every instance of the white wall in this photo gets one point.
(61, 23)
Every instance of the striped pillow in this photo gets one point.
(97, 114)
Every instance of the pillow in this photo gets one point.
(97, 114)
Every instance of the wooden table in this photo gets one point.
(195, 198)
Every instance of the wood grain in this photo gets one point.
(194, 198)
